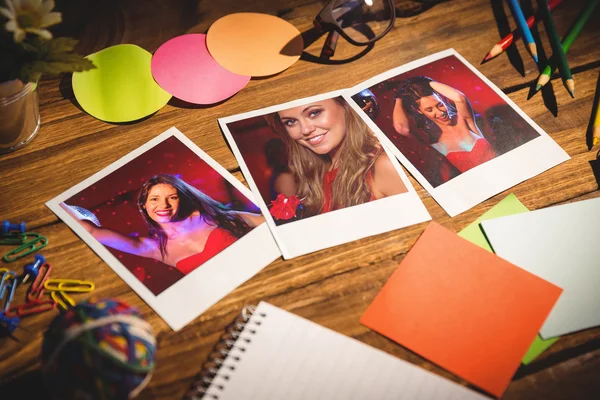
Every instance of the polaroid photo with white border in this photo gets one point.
(320, 176)
(177, 227)
(457, 133)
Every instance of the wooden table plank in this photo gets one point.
(332, 287)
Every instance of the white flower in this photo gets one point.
(29, 16)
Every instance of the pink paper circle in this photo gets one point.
(183, 67)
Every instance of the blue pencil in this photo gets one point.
(522, 25)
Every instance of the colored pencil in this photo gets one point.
(596, 131)
(522, 25)
(507, 40)
(567, 42)
(557, 49)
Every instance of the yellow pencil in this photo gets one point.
(596, 131)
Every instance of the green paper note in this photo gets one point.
(510, 205)
(121, 87)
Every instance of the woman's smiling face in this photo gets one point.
(162, 203)
(319, 126)
(435, 109)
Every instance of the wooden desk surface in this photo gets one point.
(332, 287)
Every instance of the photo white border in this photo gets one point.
(486, 180)
(193, 294)
(335, 227)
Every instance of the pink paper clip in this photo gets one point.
(36, 290)
(32, 307)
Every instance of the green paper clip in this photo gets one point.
(17, 238)
(26, 248)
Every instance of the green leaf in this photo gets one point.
(51, 57)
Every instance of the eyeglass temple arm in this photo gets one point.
(328, 49)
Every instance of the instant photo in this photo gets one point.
(173, 224)
(454, 130)
(320, 175)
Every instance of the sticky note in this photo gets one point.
(121, 88)
(510, 205)
(559, 244)
(254, 44)
(183, 67)
(463, 308)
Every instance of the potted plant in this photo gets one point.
(28, 51)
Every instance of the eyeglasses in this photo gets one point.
(360, 22)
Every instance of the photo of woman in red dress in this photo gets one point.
(185, 226)
(443, 118)
(335, 159)
(452, 129)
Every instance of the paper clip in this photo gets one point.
(13, 239)
(36, 290)
(69, 285)
(32, 307)
(59, 296)
(5, 286)
(39, 242)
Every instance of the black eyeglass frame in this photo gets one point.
(326, 21)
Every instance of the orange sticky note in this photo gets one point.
(463, 308)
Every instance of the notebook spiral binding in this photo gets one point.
(215, 366)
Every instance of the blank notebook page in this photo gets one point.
(289, 357)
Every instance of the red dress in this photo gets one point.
(218, 240)
(481, 152)
(328, 181)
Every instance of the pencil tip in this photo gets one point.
(538, 87)
(535, 58)
(488, 57)
(572, 93)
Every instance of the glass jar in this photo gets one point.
(19, 114)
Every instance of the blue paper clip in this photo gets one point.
(6, 286)
(39, 242)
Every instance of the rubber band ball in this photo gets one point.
(99, 349)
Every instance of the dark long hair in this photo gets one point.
(190, 200)
(410, 92)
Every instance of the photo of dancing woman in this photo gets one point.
(185, 226)
(451, 128)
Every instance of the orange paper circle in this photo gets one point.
(254, 44)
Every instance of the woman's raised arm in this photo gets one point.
(400, 119)
(139, 246)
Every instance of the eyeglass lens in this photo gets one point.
(363, 20)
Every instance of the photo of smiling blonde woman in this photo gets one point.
(335, 159)
(451, 128)
(185, 226)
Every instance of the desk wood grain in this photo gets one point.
(332, 287)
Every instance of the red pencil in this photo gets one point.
(506, 41)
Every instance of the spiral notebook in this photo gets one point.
(269, 353)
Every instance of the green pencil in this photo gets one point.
(567, 42)
(557, 49)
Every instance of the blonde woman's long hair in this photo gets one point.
(358, 152)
